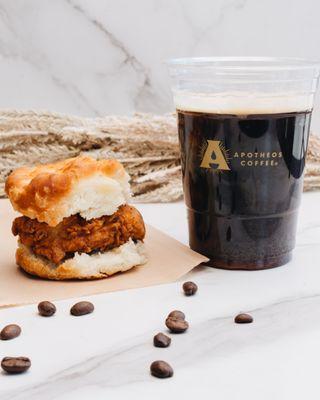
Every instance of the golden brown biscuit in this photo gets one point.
(77, 185)
(77, 223)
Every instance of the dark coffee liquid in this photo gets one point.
(242, 178)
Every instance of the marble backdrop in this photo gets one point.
(97, 57)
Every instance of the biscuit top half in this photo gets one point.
(81, 185)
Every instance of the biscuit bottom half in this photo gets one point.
(84, 266)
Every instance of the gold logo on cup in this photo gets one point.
(215, 156)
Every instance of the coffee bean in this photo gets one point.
(161, 340)
(10, 332)
(177, 314)
(189, 288)
(15, 365)
(46, 308)
(161, 369)
(82, 308)
(243, 319)
(176, 325)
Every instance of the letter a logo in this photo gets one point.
(214, 157)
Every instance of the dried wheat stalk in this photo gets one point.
(146, 144)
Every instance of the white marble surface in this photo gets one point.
(106, 355)
(97, 57)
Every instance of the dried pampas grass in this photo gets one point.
(146, 144)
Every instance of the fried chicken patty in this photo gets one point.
(75, 234)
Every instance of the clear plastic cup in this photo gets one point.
(243, 130)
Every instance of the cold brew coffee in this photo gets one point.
(243, 130)
(242, 178)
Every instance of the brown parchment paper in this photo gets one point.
(168, 261)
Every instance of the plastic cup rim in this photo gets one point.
(244, 63)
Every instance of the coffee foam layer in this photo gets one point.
(243, 103)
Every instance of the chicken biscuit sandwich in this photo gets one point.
(76, 222)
